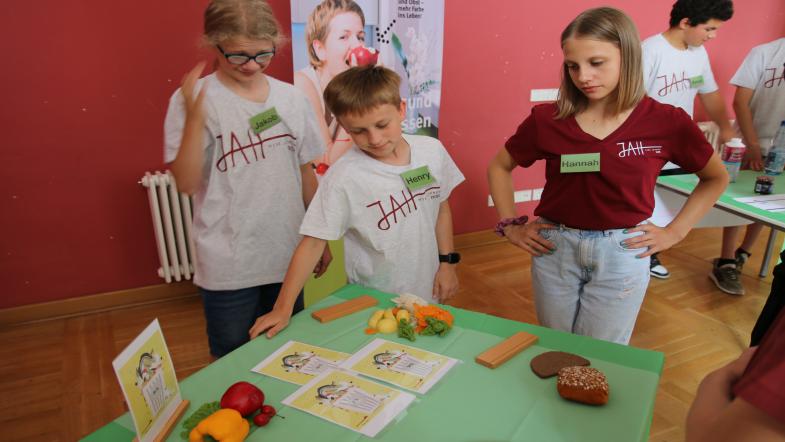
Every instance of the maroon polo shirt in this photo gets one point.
(621, 194)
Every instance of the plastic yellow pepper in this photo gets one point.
(225, 425)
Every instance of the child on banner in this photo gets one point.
(604, 143)
(241, 142)
(387, 197)
(334, 29)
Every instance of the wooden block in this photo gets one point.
(500, 353)
(336, 311)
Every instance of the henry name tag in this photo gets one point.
(696, 81)
(417, 178)
(264, 121)
(580, 162)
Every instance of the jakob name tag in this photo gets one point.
(696, 81)
(264, 121)
(418, 178)
(580, 162)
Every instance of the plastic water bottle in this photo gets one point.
(732, 154)
(775, 160)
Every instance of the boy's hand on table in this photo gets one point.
(445, 283)
(272, 322)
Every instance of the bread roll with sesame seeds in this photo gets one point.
(583, 384)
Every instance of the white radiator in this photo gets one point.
(172, 223)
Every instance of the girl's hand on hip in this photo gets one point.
(528, 238)
(655, 238)
(194, 108)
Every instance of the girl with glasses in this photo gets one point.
(241, 143)
(604, 143)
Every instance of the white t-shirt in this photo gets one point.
(389, 231)
(763, 71)
(249, 205)
(674, 76)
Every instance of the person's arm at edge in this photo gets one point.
(715, 108)
(445, 283)
(716, 416)
(305, 257)
(739, 422)
(741, 106)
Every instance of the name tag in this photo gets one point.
(580, 162)
(264, 121)
(418, 178)
(696, 81)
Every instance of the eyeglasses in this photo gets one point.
(241, 59)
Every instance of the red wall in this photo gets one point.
(85, 88)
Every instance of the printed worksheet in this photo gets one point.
(345, 399)
(407, 367)
(299, 363)
(772, 203)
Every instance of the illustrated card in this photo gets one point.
(147, 378)
(299, 363)
(407, 367)
(350, 401)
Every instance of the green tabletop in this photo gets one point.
(471, 403)
(744, 186)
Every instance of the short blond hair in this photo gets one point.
(252, 19)
(613, 26)
(318, 27)
(361, 89)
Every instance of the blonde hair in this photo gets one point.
(613, 26)
(318, 27)
(361, 89)
(252, 19)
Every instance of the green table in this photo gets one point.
(471, 403)
(744, 186)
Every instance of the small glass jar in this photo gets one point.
(764, 185)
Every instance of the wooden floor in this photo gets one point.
(57, 383)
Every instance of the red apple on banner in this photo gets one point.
(364, 56)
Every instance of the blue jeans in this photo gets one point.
(591, 285)
(230, 314)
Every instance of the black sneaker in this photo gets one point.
(656, 269)
(741, 259)
(726, 278)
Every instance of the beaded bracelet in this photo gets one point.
(519, 221)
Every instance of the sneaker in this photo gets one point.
(726, 278)
(657, 270)
(741, 259)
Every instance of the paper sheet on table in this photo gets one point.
(298, 363)
(345, 399)
(772, 203)
(407, 367)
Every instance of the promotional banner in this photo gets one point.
(329, 36)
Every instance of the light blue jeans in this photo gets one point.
(591, 285)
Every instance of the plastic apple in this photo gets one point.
(363, 55)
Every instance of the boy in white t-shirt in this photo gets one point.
(387, 197)
(676, 68)
(759, 104)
